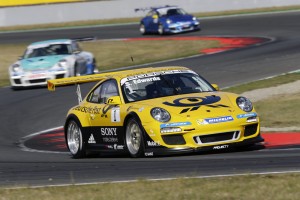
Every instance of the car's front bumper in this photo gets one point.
(182, 27)
(169, 151)
(35, 79)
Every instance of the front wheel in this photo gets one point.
(74, 139)
(161, 29)
(142, 29)
(134, 138)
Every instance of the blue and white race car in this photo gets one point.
(51, 59)
(168, 19)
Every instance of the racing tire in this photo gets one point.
(74, 139)
(76, 70)
(160, 29)
(143, 29)
(134, 138)
(95, 70)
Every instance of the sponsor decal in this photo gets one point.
(115, 114)
(92, 139)
(110, 139)
(214, 120)
(175, 124)
(89, 110)
(108, 131)
(118, 147)
(153, 144)
(145, 80)
(201, 122)
(195, 102)
(104, 116)
(151, 74)
(246, 115)
(149, 154)
(221, 147)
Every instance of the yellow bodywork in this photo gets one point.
(196, 125)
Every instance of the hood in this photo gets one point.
(207, 104)
(40, 63)
(180, 18)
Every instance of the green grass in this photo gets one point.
(280, 111)
(275, 81)
(249, 187)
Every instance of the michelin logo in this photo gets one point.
(215, 120)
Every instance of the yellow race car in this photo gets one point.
(153, 111)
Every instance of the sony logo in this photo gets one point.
(108, 131)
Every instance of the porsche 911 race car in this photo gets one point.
(168, 19)
(156, 111)
(50, 59)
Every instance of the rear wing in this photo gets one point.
(52, 84)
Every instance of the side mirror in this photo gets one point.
(114, 100)
(216, 86)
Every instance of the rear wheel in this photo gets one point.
(74, 139)
(134, 138)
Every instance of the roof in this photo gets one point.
(47, 42)
(164, 7)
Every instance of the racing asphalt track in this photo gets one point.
(29, 111)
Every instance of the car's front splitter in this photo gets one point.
(171, 151)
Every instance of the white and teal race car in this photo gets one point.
(51, 59)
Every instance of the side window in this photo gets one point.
(103, 92)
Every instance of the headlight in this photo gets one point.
(244, 104)
(169, 21)
(15, 67)
(160, 114)
(62, 63)
(194, 18)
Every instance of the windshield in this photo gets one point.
(171, 11)
(50, 50)
(161, 84)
